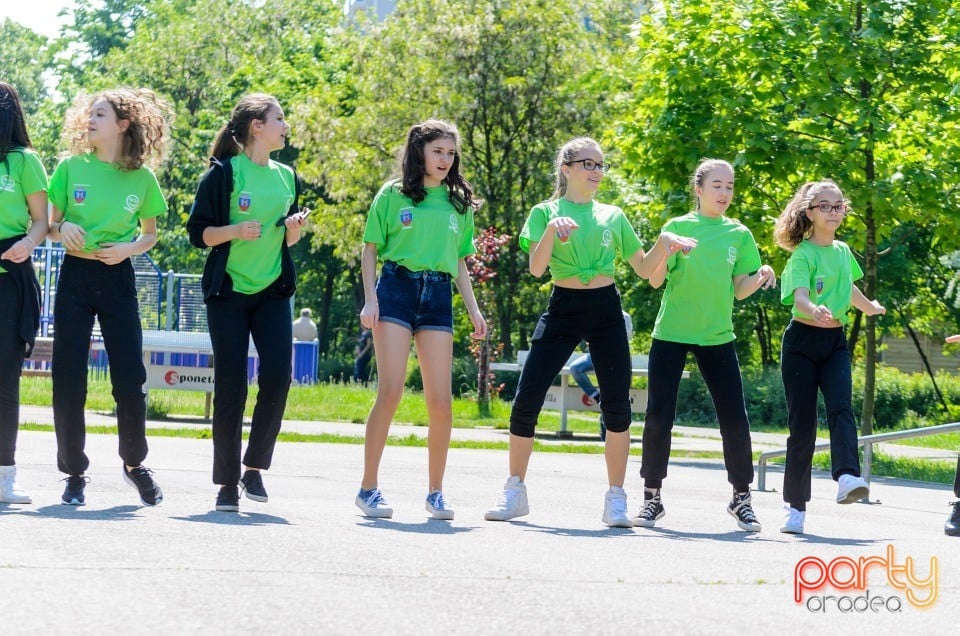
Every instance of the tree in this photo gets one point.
(864, 93)
(24, 56)
(514, 76)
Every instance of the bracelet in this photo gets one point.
(27, 238)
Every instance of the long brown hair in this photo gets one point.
(793, 225)
(235, 134)
(148, 131)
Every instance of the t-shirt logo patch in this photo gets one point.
(819, 284)
(607, 238)
(453, 224)
(732, 255)
(406, 217)
(244, 201)
(7, 184)
(132, 203)
(79, 194)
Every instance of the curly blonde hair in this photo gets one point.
(793, 225)
(145, 140)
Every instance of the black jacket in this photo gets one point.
(25, 279)
(211, 208)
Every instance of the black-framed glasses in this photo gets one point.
(827, 208)
(590, 165)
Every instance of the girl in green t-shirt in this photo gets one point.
(818, 282)
(578, 239)
(105, 201)
(23, 204)
(247, 211)
(421, 227)
(696, 317)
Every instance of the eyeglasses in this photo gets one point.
(826, 208)
(590, 165)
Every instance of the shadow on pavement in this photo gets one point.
(61, 511)
(235, 518)
(598, 533)
(429, 526)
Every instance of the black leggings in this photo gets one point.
(721, 371)
(233, 318)
(572, 315)
(812, 359)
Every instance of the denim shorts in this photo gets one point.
(415, 300)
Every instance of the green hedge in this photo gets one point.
(904, 400)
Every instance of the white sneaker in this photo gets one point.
(851, 488)
(438, 507)
(9, 493)
(793, 520)
(512, 502)
(373, 504)
(615, 508)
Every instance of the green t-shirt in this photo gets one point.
(108, 203)
(603, 233)
(697, 304)
(20, 176)
(827, 272)
(265, 194)
(430, 235)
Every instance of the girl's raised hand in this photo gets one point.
(877, 309)
(955, 338)
(249, 230)
(766, 277)
(72, 235)
(562, 226)
(675, 243)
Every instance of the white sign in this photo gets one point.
(165, 376)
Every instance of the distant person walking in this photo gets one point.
(105, 204)
(304, 329)
(247, 212)
(364, 354)
(23, 226)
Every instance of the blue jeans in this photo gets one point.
(579, 369)
(415, 300)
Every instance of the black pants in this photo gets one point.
(11, 362)
(812, 359)
(233, 318)
(86, 290)
(593, 315)
(721, 371)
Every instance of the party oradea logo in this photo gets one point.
(851, 577)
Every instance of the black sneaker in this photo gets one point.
(228, 499)
(741, 509)
(252, 484)
(73, 493)
(952, 527)
(652, 510)
(141, 478)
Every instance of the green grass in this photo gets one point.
(931, 470)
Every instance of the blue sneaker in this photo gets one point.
(141, 478)
(438, 507)
(372, 503)
(73, 493)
